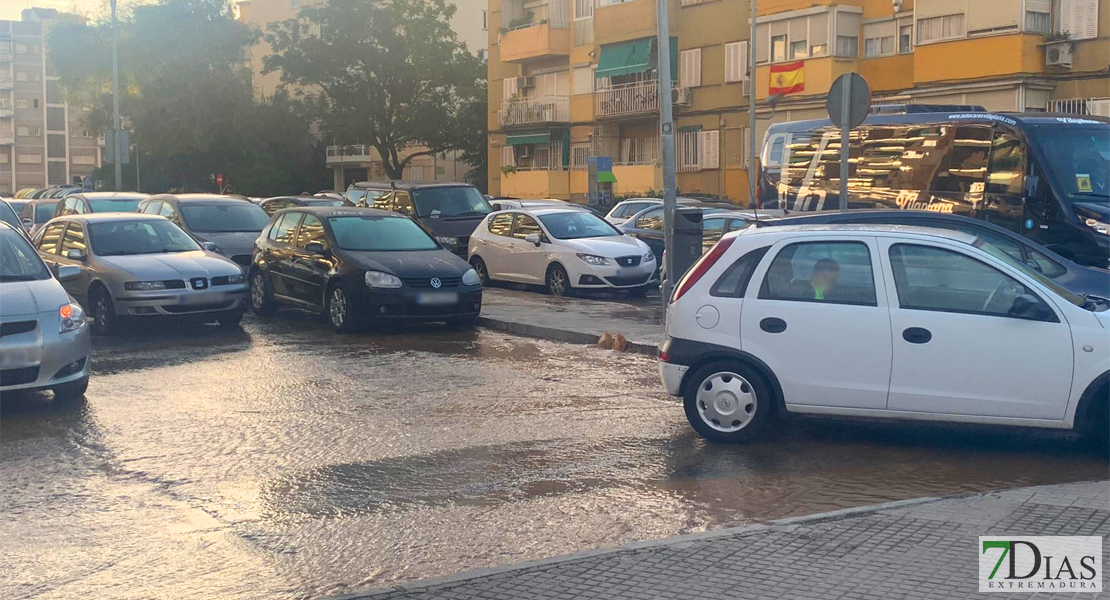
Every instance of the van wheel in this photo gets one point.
(727, 402)
(558, 282)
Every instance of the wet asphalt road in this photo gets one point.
(284, 461)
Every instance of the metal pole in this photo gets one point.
(116, 158)
(845, 143)
(138, 181)
(666, 139)
(752, 175)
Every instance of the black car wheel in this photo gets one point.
(558, 282)
(261, 302)
(105, 321)
(339, 310)
(479, 267)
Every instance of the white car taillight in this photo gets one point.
(699, 269)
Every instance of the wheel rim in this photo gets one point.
(480, 269)
(258, 292)
(338, 307)
(726, 402)
(558, 282)
(103, 314)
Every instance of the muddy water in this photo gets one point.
(286, 461)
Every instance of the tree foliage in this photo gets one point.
(387, 73)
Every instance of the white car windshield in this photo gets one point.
(123, 238)
(18, 259)
(576, 225)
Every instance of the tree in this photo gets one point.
(388, 73)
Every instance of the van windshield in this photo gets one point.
(462, 201)
(1079, 160)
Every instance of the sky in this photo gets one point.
(11, 9)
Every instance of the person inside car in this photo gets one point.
(826, 272)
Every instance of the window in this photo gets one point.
(734, 281)
(936, 279)
(798, 49)
(84, 159)
(1079, 18)
(167, 210)
(311, 232)
(1038, 22)
(508, 88)
(583, 9)
(580, 156)
(639, 151)
(56, 145)
(736, 62)
(940, 28)
(56, 118)
(690, 68)
(282, 231)
(778, 48)
(501, 224)
(402, 203)
(905, 39)
(830, 272)
(819, 50)
(1048, 267)
(687, 147)
(21, 104)
(508, 158)
(710, 151)
(56, 173)
(964, 167)
(873, 47)
(21, 48)
(34, 103)
(51, 238)
(525, 226)
(380, 200)
(651, 220)
(21, 75)
(150, 208)
(847, 45)
(30, 159)
(74, 239)
(582, 80)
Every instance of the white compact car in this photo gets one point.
(564, 249)
(880, 321)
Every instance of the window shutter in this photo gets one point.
(710, 149)
(509, 84)
(736, 62)
(690, 68)
(507, 157)
(1080, 18)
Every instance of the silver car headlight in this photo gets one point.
(446, 239)
(233, 279)
(71, 317)
(143, 286)
(378, 279)
(592, 259)
(471, 278)
(649, 257)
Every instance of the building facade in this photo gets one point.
(358, 162)
(574, 79)
(42, 139)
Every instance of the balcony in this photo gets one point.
(628, 99)
(534, 111)
(537, 183)
(342, 155)
(535, 40)
(1081, 106)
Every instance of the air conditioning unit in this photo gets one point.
(525, 82)
(680, 96)
(524, 151)
(1058, 54)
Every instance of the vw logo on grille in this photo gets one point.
(436, 282)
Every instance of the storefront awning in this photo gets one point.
(606, 177)
(528, 138)
(631, 57)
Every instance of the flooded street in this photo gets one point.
(284, 461)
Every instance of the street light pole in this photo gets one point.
(666, 139)
(116, 158)
(751, 111)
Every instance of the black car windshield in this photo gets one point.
(44, 211)
(572, 225)
(224, 217)
(8, 215)
(380, 233)
(117, 205)
(18, 259)
(1079, 160)
(122, 238)
(459, 201)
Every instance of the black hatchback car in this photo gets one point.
(360, 266)
(450, 211)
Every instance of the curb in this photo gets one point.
(690, 538)
(561, 335)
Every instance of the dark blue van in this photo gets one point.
(1043, 175)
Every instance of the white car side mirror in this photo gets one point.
(533, 238)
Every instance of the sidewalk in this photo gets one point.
(921, 549)
(574, 320)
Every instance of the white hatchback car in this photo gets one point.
(564, 249)
(880, 321)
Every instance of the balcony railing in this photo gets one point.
(628, 99)
(357, 153)
(532, 111)
(1081, 106)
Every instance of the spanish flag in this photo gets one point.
(787, 78)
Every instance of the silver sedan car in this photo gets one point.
(136, 266)
(44, 341)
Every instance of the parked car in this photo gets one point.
(647, 225)
(36, 213)
(135, 266)
(93, 202)
(9, 216)
(17, 205)
(450, 211)
(624, 209)
(564, 249)
(1075, 277)
(506, 204)
(44, 340)
(226, 225)
(360, 266)
(272, 205)
(880, 321)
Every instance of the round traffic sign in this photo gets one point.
(856, 98)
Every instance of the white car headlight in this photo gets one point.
(446, 239)
(649, 257)
(143, 286)
(233, 279)
(471, 278)
(591, 259)
(71, 317)
(377, 279)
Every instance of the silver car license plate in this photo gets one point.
(11, 358)
(437, 298)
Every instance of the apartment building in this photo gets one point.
(360, 162)
(571, 79)
(42, 140)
